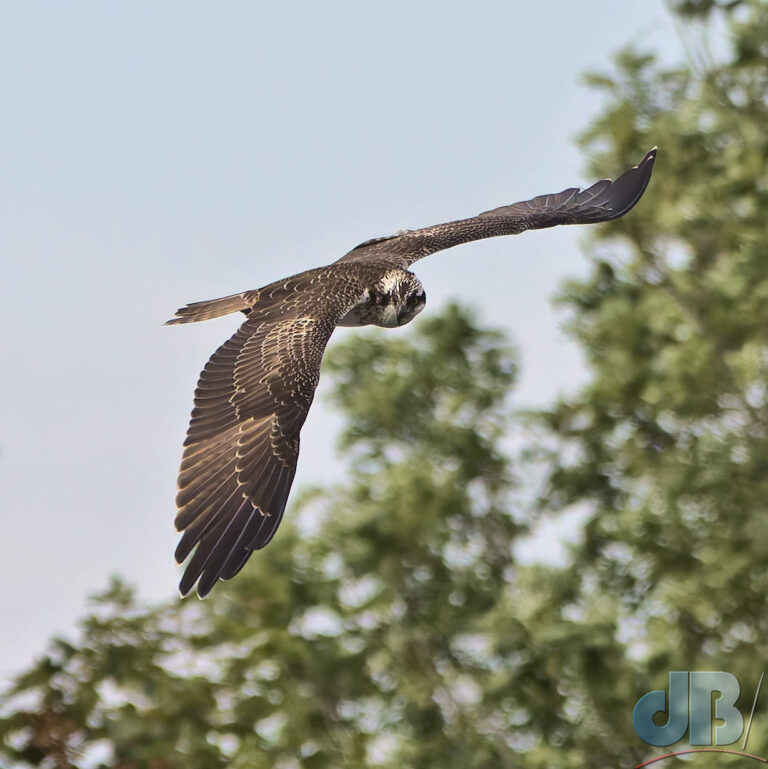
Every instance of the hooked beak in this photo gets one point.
(403, 316)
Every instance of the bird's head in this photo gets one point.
(397, 299)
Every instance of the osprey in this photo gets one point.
(254, 393)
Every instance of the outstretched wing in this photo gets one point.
(601, 202)
(242, 445)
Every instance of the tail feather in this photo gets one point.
(213, 308)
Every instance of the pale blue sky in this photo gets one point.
(157, 153)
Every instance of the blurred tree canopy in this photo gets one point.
(400, 630)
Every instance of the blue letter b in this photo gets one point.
(703, 685)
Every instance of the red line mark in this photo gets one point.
(702, 750)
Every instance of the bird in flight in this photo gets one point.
(254, 393)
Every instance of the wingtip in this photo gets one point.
(186, 587)
(199, 594)
(627, 189)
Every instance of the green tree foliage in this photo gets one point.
(370, 641)
(399, 632)
(390, 623)
(667, 445)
